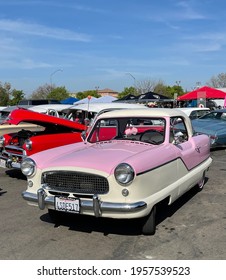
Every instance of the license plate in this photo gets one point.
(2, 163)
(66, 204)
(15, 165)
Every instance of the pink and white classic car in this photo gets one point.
(130, 161)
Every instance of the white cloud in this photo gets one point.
(25, 64)
(188, 12)
(43, 31)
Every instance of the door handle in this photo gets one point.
(198, 149)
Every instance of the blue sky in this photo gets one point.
(84, 44)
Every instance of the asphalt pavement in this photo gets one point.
(193, 227)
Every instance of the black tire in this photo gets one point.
(201, 183)
(149, 223)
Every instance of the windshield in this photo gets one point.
(3, 116)
(148, 130)
(215, 115)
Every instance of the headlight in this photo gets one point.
(124, 174)
(212, 139)
(28, 144)
(2, 140)
(28, 166)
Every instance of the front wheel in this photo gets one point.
(201, 183)
(149, 223)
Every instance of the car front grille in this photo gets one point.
(13, 152)
(75, 182)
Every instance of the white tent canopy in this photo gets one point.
(103, 99)
(86, 100)
(106, 99)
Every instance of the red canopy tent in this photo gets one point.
(203, 92)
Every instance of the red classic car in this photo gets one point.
(55, 132)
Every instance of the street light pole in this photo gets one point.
(132, 77)
(178, 83)
(51, 75)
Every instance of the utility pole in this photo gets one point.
(51, 75)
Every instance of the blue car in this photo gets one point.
(214, 125)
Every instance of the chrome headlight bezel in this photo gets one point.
(28, 144)
(124, 174)
(2, 140)
(28, 167)
(213, 139)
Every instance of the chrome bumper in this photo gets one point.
(9, 163)
(94, 205)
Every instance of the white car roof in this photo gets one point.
(146, 112)
(97, 107)
(188, 110)
(45, 107)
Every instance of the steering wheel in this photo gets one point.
(151, 136)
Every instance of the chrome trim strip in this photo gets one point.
(16, 149)
(95, 205)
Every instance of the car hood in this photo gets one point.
(104, 156)
(208, 126)
(23, 115)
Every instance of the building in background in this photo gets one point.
(107, 92)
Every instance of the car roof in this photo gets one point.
(146, 112)
(13, 107)
(220, 110)
(188, 110)
(97, 107)
(45, 107)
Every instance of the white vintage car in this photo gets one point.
(195, 112)
(85, 113)
(130, 161)
(56, 110)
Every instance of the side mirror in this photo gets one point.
(178, 138)
(83, 135)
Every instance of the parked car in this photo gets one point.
(219, 103)
(57, 110)
(130, 161)
(85, 113)
(52, 132)
(213, 124)
(34, 102)
(5, 111)
(195, 112)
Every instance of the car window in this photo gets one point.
(178, 130)
(198, 113)
(193, 115)
(201, 113)
(148, 130)
(223, 116)
(215, 115)
(3, 116)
